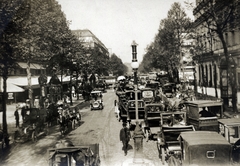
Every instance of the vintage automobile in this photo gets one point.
(131, 110)
(152, 118)
(167, 140)
(100, 85)
(66, 154)
(96, 102)
(208, 120)
(230, 129)
(153, 85)
(126, 102)
(168, 89)
(34, 126)
(164, 127)
(202, 148)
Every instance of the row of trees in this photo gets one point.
(216, 18)
(165, 52)
(37, 31)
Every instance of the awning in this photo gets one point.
(22, 81)
(12, 88)
(32, 65)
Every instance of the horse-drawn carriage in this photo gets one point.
(34, 125)
(66, 154)
(68, 117)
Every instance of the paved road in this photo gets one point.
(97, 127)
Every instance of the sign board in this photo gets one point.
(147, 94)
(10, 96)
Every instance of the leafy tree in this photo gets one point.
(30, 31)
(166, 50)
(43, 33)
(99, 62)
(116, 66)
(8, 57)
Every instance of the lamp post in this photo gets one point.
(135, 66)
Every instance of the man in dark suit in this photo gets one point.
(125, 137)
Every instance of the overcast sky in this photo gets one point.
(118, 22)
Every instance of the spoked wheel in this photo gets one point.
(73, 124)
(34, 136)
(172, 161)
(46, 130)
(79, 117)
(162, 154)
(62, 130)
(3, 143)
(147, 134)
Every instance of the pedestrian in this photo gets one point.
(138, 136)
(16, 114)
(36, 102)
(125, 137)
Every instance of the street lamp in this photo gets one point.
(135, 66)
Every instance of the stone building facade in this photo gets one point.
(210, 50)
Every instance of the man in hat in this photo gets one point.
(125, 137)
(16, 114)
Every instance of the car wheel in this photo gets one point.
(34, 136)
(163, 155)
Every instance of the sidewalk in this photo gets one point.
(11, 122)
(211, 92)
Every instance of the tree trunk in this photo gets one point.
(4, 99)
(29, 84)
(215, 84)
(231, 74)
(77, 87)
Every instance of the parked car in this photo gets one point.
(167, 141)
(66, 154)
(202, 148)
(230, 130)
(208, 120)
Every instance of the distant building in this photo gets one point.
(89, 40)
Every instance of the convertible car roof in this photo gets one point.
(204, 103)
(203, 138)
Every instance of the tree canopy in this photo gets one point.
(165, 50)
